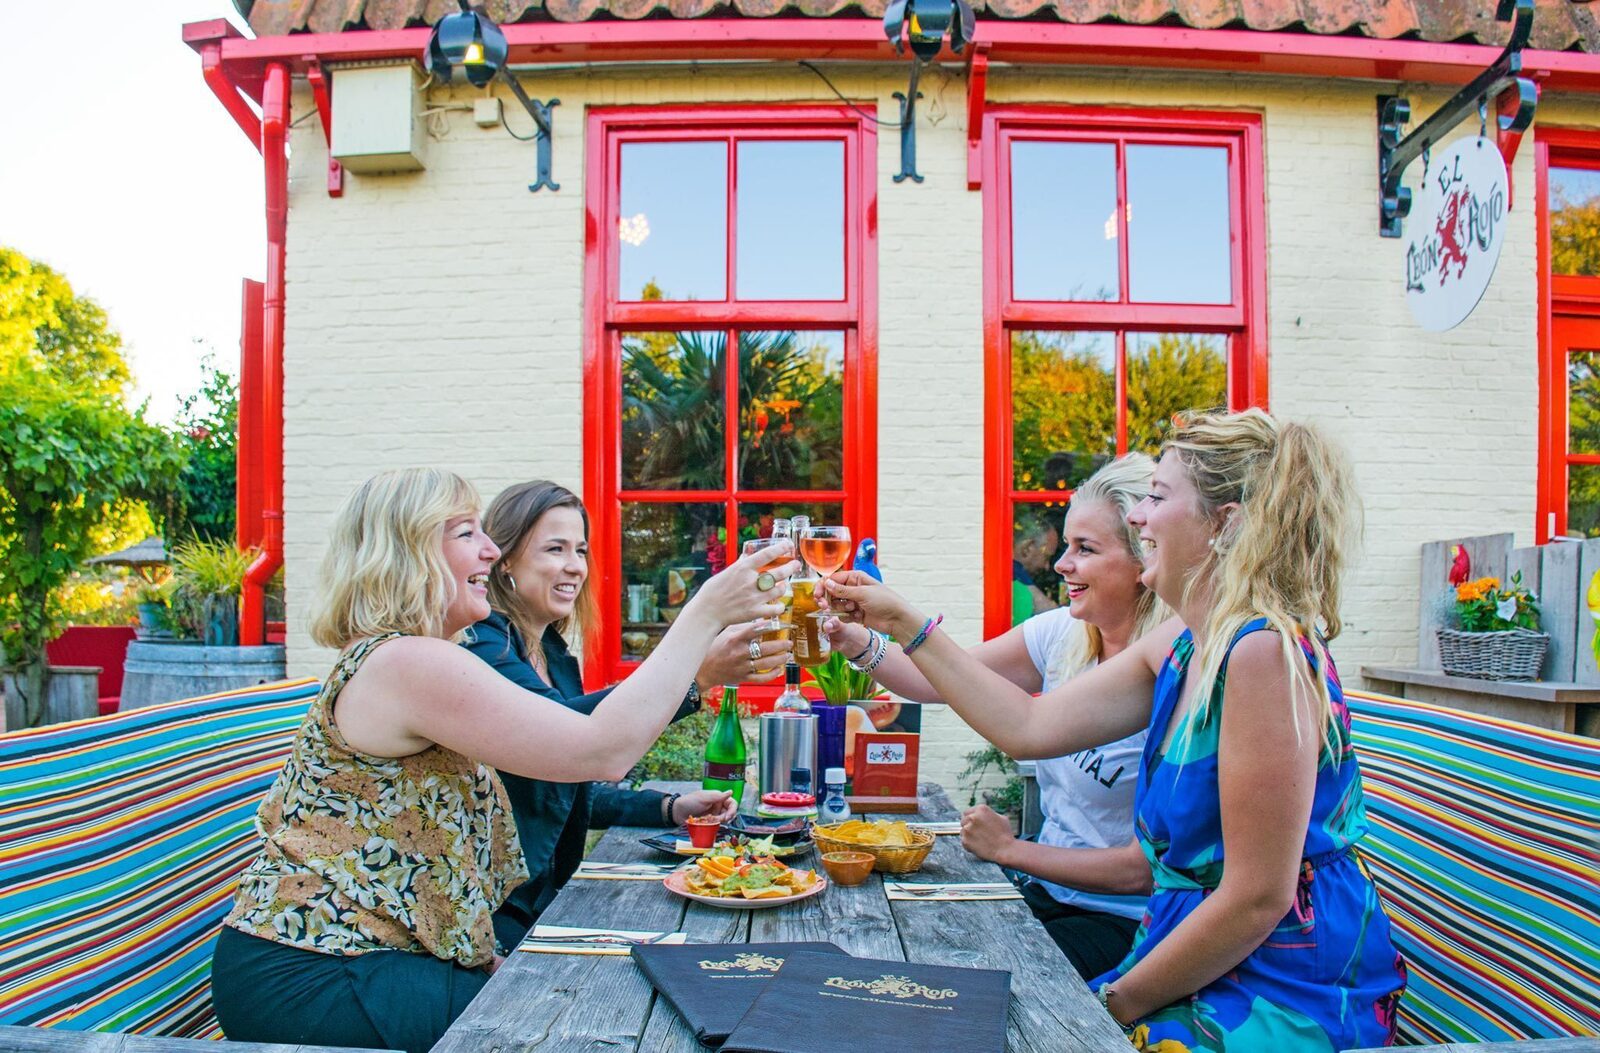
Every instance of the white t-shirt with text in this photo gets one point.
(1086, 797)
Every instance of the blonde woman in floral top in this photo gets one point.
(388, 842)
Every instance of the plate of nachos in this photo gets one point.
(743, 882)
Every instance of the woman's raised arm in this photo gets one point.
(1104, 704)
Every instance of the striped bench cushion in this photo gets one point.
(1486, 845)
(121, 838)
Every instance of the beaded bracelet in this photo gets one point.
(878, 646)
(922, 637)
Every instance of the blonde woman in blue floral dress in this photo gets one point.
(1264, 930)
(387, 839)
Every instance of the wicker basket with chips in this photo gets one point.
(895, 847)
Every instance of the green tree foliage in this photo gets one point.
(208, 431)
(1064, 407)
(1575, 236)
(73, 458)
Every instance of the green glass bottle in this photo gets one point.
(725, 754)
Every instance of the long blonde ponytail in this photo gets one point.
(1120, 485)
(1281, 554)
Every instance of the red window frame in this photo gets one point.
(1569, 297)
(1245, 319)
(607, 318)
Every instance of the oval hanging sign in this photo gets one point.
(1456, 233)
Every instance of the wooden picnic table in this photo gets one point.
(566, 1002)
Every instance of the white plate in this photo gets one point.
(676, 884)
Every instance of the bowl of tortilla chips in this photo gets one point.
(896, 848)
(743, 882)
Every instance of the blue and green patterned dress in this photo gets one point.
(1328, 977)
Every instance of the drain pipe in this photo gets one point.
(274, 130)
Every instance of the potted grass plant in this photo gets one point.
(208, 576)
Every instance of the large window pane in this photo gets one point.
(673, 411)
(1575, 221)
(1583, 402)
(1583, 500)
(672, 224)
(1169, 373)
(1178, 225)
(1063, 221)
(789, 201)
(791, 410)
(1035, 546)
(1063, 407)
(755, 517)
(668, 552)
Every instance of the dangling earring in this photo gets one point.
(510, 581)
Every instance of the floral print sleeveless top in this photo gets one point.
(368, 853)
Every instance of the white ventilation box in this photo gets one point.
(377, 118)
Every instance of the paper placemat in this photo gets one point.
(597, 871)
(906, 890)
(951, 827)
(561, 939)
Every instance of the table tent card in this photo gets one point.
(824, 1003)
(712, 984)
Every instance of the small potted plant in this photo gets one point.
(207, 579)
(1496, 634)
(153, 601)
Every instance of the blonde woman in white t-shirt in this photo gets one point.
(1088, 881)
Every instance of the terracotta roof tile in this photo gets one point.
(1558, 25)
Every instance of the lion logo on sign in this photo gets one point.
(1451, 251)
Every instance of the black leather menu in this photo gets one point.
(712, 984)
(824, 1003)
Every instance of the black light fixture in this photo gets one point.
(470, 39)
(923, 24)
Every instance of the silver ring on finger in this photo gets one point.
(765, 581)
(754, 650)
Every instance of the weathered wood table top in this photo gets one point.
(562, 1002)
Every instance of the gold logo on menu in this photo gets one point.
(750, 963)
(895, 986)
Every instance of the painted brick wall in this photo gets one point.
(435, 318)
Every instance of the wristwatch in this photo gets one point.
(694, 695)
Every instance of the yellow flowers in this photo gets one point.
(1468, 591)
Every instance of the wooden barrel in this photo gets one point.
(164, 671)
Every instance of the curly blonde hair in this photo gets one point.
(1282, 554)
(1119, 485)
(384, 570)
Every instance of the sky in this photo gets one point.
(121, 170)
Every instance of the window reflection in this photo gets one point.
(1169, 373)
(668, 552)
(1575, 221)
(1063, 221)
(672, 228)
(1063, 407)
(673, 411)
(790, 220)
(1583, 402)
(1179, 225)
(1583, 499)
(1036, 544)
(791, 410)
(755, 517)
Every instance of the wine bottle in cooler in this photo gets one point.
(725, 752)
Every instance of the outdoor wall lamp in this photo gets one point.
(923, 24)
(471, 40)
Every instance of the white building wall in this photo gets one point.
(436, 318)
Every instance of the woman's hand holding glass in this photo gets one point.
(748, 589)
(731, 659)
(858, 597)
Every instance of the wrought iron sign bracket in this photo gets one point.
(977, 87)
(908, 127)
(318, 79)
(1512, 117)
(540, 112)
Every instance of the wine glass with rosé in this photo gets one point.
(825, 549)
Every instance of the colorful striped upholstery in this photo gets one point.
(1486, 845)
(120, 841)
